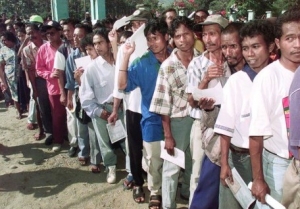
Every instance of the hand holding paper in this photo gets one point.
(178, 158)
(215, 93)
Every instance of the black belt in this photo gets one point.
(239, 150)
(278, 155)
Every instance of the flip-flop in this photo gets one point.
(30, 126)
(39, 136)
(95, 168)
(138, 194)
(83, 161)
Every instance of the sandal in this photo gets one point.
(30, 126)
(83, 161)
(155, 202)
(138, 194)
(128, 183)
(39, 136)
(95, 168)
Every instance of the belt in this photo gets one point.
(278, 155)
(239, 150)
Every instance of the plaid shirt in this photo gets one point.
(28, 56)
(169, 97)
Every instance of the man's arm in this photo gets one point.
(259, 188)
(114, 115)
(225, 168)
(169, 140)
(127, 51)
(40, 66)
(2, 78)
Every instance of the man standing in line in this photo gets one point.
(44, 68)
(234, 116)
(268, 133)
(170, 101)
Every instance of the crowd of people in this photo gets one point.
(254, 129)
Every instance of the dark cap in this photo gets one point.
(140, 15)
(52, 24)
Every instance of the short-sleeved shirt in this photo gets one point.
(29, 56)
(294, 141)
(169, 97)
(61, 55)
(143, 73)
(270, 88)
(9, 57)
(234, 116)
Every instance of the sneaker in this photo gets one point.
(111, 175)
(56, 147)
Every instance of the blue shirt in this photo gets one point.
(71, 84)
(143, 73)
(294, 96)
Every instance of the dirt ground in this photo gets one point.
(33, 177)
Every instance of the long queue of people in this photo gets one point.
(254, 128)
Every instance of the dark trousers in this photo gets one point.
(59, 119)
(206, 195)
(135, 144)
(44, 104)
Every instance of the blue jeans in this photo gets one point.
(274, 170)
(242, 163)
(206, 195)
(181, 129)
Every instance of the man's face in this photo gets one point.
(256, 52)
(53, 35)
(184, 38)
(157, 42)
(33, 35)
(231, 48)
(68, 31)
(170, 17)
(78, 35)
(200, 17)
(101, 46)
(289, 43)
(90, 50)
(136, 24)
(211, 36)
(10, 29)
(6, 42)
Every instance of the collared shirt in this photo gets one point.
(29, 56)
(196, 71)
(294, 141)
(169, 97)
(71, 84)
(44, 67)
(234, 116)
(270, 88)
(97, 86)
(143, 73)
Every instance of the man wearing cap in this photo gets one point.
(44, 68)
(133, 104)
(170, 101)
(206, 71)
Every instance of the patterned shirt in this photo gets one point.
(8, 57)
(29, 55)
(196, 71)
(169, 97)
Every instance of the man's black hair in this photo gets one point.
(156, 25)
(180, 20)
(201, 10)
(102, 32)
(70, 21)
(256, 28)
(233, 27)
(163, 14)
(85, 27)
(291, 15)
(87, 41)
(9, 36)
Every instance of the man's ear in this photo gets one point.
(277, 43)
(271, 47)
(167, 37)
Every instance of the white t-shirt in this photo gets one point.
(270, 87)
(59, 61)
(234, 116)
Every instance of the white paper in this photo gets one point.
(121, 22)
(270, 200)
(116, 132)
(215, 93)
(74, 106)
(178, 157)
(83, 62)
(140, 41)
(240, 190)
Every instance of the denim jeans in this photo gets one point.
(274, 170)
(181, 129)
(108, 156)
(242, 163)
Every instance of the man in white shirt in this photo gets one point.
(269, 152)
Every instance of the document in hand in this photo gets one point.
(116, 132)
(83, 62)
(240, 190)
(270, 200)
(215, 93)
(140, 41)
(121, 22)
(178, 157)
